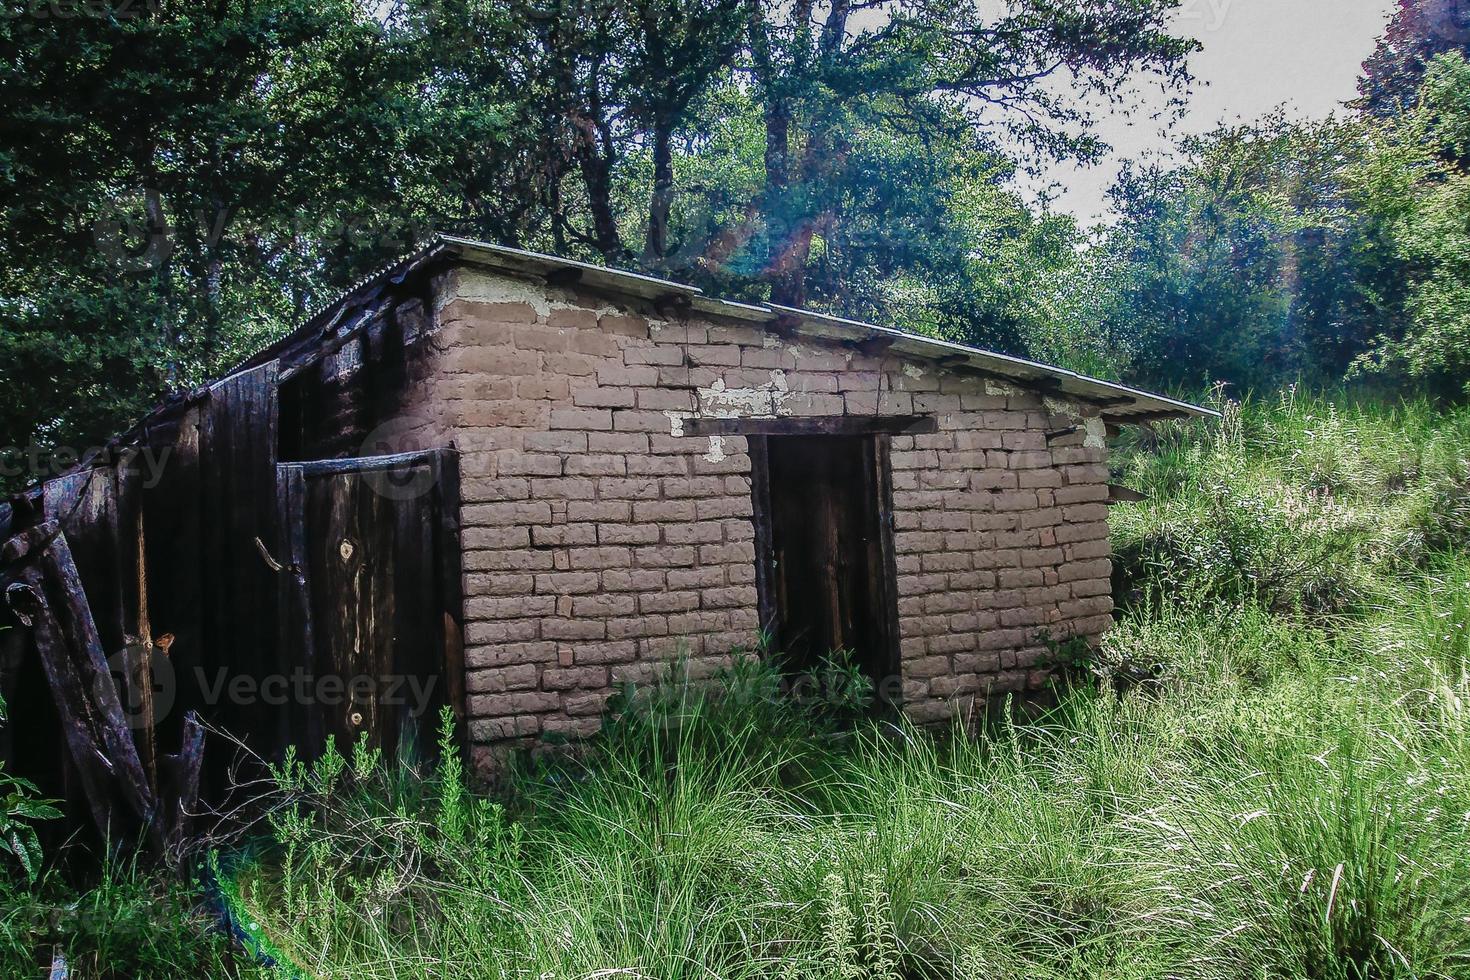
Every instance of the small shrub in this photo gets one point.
(21, 808)
(748, 712)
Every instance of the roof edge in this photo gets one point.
(1118, 403)
(1121, 403)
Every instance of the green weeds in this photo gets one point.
(1265, 772)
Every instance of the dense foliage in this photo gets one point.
(181, 180)
(1286, 250)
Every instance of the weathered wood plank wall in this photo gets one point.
(202, 560)
(241, 536)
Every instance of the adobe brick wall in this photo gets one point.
(599, 541)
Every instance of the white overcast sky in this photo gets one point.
(1258, 54)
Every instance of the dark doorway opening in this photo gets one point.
(824, 550)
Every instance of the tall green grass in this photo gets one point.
(125, 921)
(1265, 774)
(1301, 503)
(1282, 789)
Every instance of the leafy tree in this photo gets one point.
(1415, 189)
(1252, 262)
(822, 75)
(1417, 32)
(165, 172)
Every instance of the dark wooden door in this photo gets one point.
(827, 542)
(372, 605)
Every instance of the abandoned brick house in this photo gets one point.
(531, 478)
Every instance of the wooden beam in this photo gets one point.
(886, 575)
(971, 371)
(834, 425)
(675, 305)
(765, 555)
(447, 545)
(47, 597)
(785, 326)
(360, 464)
(1102, 402)
(1044, 383)
(325, 346)
(33, 538)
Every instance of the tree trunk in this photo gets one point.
(597, 175)
(778, 147)
(656, 246)
(785, 269)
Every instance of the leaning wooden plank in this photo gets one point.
(77, 671)
(29, 540)
(90, 664)
(85, 505)
(26, 597)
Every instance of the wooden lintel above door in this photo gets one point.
(827, 425)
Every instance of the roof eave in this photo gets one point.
(1119, 403)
